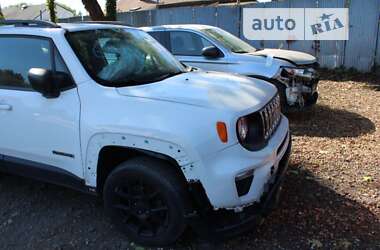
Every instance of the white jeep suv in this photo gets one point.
(107, 110)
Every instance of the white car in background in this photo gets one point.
(211, 48)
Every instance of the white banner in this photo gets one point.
(296, 23)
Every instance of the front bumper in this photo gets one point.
(219, 171)
(227, 223)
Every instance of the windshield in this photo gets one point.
(123, 57)
(229, 41)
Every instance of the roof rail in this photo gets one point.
(29, 23)
(105, 22)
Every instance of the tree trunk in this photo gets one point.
(51, 7)
(111, 10)
(94, 9)
(1, 14)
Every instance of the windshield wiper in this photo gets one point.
(146, 80)
(241, 52)
(154, 79)
(165, 76)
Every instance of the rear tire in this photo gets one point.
(147, 200)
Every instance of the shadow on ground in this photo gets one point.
(373, 87)
(313, 216)
(323, 121)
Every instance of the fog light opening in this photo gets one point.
(243, 182)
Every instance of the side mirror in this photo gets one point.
(46, 82)
(211, 51)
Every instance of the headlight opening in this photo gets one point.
(254, 130)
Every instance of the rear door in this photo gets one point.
(35, 130)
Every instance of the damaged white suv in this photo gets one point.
(111, 112)
(211, 48)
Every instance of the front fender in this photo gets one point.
(101, 140)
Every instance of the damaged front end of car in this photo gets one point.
(299, 85)
(217, 224)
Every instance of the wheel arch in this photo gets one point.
(116, 148)
(111, 156)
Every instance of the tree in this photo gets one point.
(96, 12)
(111, 10)
(93, 8)
(1, 14)
(10, 77)
(51, 7)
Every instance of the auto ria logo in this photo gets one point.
(296, 23)
(326, 25)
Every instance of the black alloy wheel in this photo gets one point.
(144, 210)
(147, 200)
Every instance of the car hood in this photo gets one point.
(207, 89)
(295, 57)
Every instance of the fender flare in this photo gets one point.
(141, 143)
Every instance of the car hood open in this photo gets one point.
(207, 89)
(295, 57)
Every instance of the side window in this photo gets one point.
(18, 55)
(162, 37)
(187, 43)
(60, 66)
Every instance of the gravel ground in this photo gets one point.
(331, 197)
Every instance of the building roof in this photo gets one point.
(135, 5)
(33, 12)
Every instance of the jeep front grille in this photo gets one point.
(271, 117)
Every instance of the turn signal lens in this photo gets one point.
(221, 128)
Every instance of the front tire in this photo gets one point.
(147, 200)
(311, 99)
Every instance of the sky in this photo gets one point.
(74, 4)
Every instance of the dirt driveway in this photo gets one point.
(331, 197)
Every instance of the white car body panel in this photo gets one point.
(145, 133)
(246, 65)
(35, 126)
(208, 89)
(220, 168)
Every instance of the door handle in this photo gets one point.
(5, 107)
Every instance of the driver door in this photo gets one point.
(36, 132)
